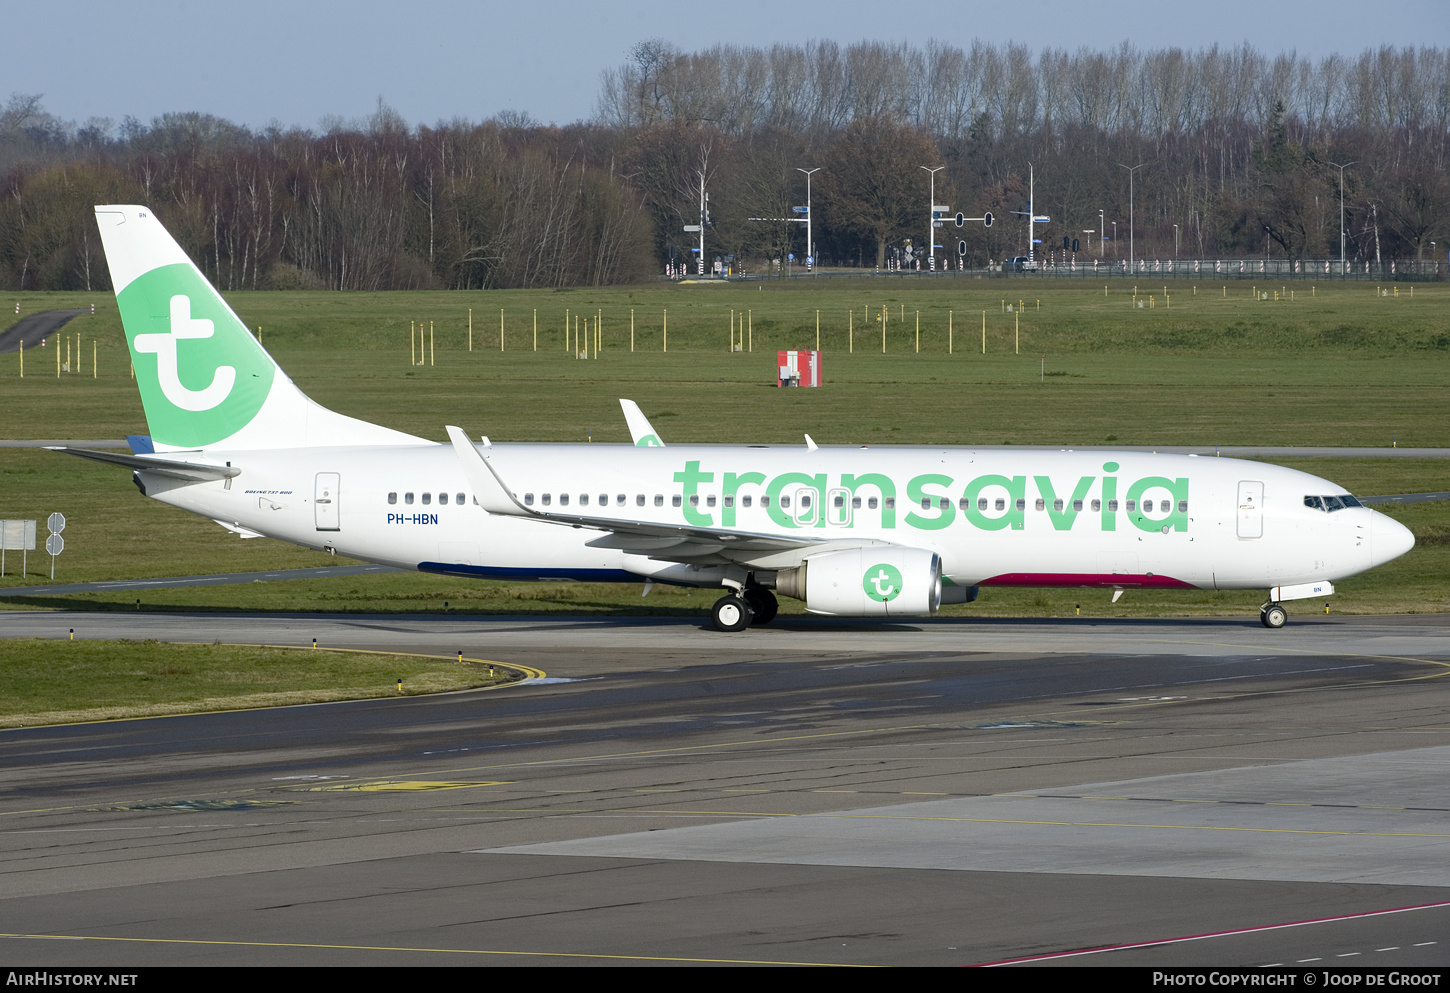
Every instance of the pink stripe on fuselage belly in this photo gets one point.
(1108, 579)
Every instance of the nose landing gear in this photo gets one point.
(1273, 615)
(731, 613)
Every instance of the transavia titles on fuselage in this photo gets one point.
(866, 532)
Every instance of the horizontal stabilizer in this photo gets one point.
(193, 472)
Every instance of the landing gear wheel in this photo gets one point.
(1273, 615)
(731, 613)
(763, 604)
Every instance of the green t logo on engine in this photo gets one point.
(882, 583)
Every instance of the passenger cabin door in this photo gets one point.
(324, 500)
(1251, 509)
(804, 506)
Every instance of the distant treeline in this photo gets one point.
(1240, 156)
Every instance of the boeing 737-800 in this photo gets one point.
(858, 531)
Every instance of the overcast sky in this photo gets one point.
(299, 61)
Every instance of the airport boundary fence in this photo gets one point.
(1397, 270)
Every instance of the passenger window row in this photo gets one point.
(696, 500)
(427, 499)
(839, 501)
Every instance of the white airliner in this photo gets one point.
(852, 531)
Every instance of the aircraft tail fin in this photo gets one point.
(205, 381)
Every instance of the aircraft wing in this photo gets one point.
(671, 542)
(192, 472)
(640, 429)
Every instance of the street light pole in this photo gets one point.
(1131, 170)
(931, 216)
(1102, 235)
(1341, 169)
(810, 243)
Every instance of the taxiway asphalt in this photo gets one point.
(948, 792)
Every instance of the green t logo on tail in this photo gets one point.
(209, 377)
(882, 583)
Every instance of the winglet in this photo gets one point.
(640, 429)
(811, 445)
(493, 496)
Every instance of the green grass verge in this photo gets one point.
(58, 682)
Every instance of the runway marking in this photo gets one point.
(1234, 803)
(1217, 934)
(628, 812)
(1111, 824)
(433, 951)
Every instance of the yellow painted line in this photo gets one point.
(1280, 649)
(432, 951)
(524, 671)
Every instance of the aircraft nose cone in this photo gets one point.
(1389, 539)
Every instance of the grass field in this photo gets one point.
(1336, 365)
(57, 682)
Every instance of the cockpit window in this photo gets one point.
(1330, 503)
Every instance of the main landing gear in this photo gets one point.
(763, 603)
(738, 611)
(1273, 615)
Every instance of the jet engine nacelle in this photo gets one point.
(874, 581)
